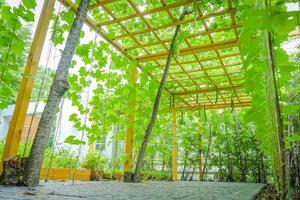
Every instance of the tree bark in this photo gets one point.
(200, 174)
(184, 165)
(58, 89)
(205, 165)
(230, 177)
(277, 115)
(139, 164)
(239, 152)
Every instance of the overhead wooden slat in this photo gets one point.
(199, 69)
(188, 51)
(147, 12)
(205, 90)
(217, 106)
(172, 24)
(188, 36)
(101, 3)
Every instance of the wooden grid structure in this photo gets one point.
(208, 70)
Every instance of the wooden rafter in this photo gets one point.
(196, 65)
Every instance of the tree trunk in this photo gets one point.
(239, 151)
(229, 157)
(184, 165)
(293, 160)
(220, 171)
(199, 156)
(163, 166)
(58, 89)
(139, 164)
(205, 168)
(277, 115)
(194, 168)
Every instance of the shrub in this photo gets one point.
(93, 160)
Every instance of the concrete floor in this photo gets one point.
(109, 190)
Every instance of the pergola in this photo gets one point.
(209, 63)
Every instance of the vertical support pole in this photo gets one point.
(23, 99)
(130, 128)
(174, 146)
(91, 147)
(200, 155)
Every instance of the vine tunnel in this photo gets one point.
(227, 88)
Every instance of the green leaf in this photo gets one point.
(72, 140)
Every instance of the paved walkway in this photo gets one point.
(110, 190)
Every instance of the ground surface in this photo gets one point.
(110, 190)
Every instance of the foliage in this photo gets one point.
(93, 160)
(62, 157)
(14, 40)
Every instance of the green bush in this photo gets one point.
(63, 157)
(93, 160)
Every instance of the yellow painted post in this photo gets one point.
(91, 147)
(174, 147)
(23, 99)
(130, 128)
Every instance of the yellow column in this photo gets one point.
(174, 147)
(23, 99)
(130, 128)
(91, 147)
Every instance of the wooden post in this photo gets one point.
(130, 128)
(174, 148)
(30, 71)
(91, 147)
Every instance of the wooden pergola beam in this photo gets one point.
(206, 90)
(189, 51)
(130, 127)
(100, 3)
(202, 77)
(207, 69)
(216, 106)
(23, 99)
(134, 33)
(147, 12)
(187, 37)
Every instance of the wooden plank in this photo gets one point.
(130, 127)
(217, 106)
(147, 12)
(101, 3)
(189, 51)
(206, 69)
(205, 90)
(30, 71)
(65, 174)
(201, 33)
(139, 32)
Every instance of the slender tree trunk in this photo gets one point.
(200, 156)
(184, 165)
(194, 169)
(294, 161)
(58, 89)
(139, 164)
(205, 168)
(229, 161)
(163, 166)
(220, 166)
(239, 149)
(277, 115)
